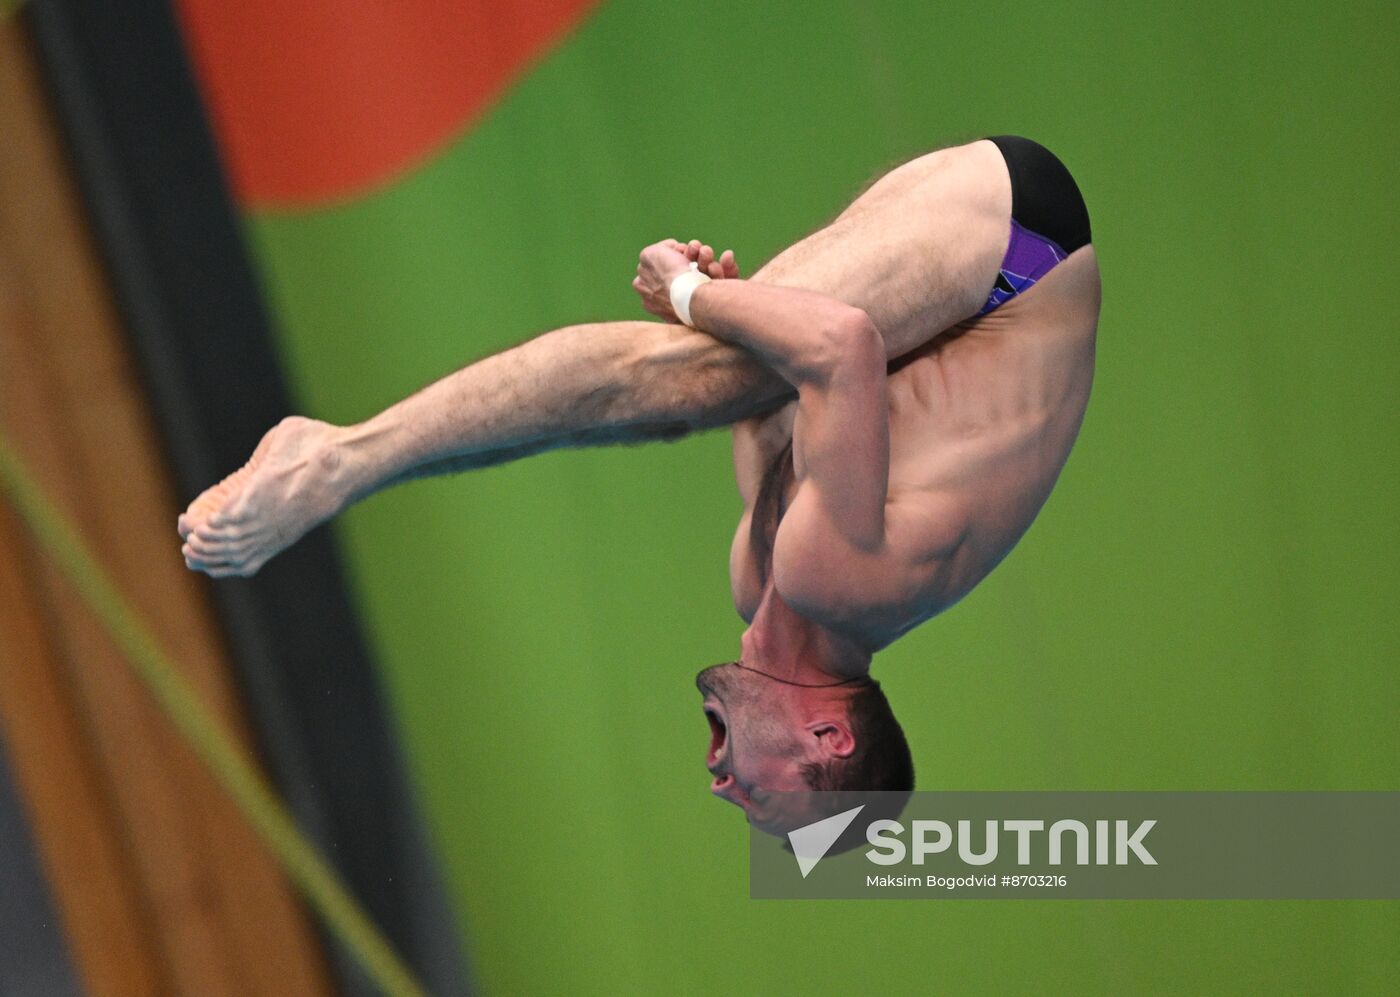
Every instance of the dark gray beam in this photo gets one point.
(156, 194)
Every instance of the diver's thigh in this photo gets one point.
(918, 251)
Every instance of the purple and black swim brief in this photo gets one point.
(1048, 218)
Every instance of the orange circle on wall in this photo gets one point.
(316, 100)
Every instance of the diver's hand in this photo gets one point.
(662, 262)
(722, 267)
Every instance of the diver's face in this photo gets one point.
(756, 745)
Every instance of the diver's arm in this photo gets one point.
(833, 554)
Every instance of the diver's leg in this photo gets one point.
(616, 382)
(918, 251)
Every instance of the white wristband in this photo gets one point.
(681, 290)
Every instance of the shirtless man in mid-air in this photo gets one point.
(904, 387)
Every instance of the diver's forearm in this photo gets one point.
(585, 385)
(799, 333)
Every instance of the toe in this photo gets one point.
(228, 516)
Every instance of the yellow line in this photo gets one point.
(233, 769)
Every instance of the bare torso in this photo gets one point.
(983, 411)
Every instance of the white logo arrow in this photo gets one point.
(810, 843)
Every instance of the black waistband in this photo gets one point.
(1044, 197)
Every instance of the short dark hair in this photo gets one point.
(881, 761)
(878, 776)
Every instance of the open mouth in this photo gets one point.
(718, 734)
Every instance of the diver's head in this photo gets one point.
(773, 741)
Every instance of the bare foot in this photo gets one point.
(287, 487)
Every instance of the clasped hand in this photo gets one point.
(661, 262)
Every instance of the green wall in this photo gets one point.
(1206, 602)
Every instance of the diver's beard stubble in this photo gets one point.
(735, 688)
(751, 711)
(720, 681)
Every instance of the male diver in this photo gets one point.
(904, 387)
